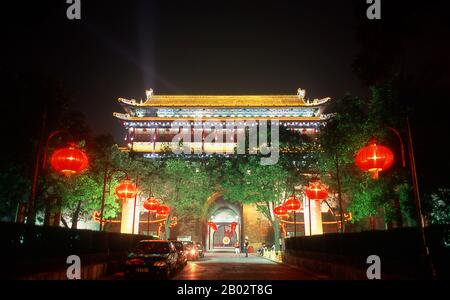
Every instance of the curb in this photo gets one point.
(295, 267)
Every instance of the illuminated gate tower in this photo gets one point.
(148, 123)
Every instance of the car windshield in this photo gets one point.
(153, 248)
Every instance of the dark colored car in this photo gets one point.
(151, 258)
(182, 259)
(201, 250)
(191, 250)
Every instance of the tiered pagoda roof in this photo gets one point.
(172, 107)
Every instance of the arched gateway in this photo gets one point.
(224, 221)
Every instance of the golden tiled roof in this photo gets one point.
(225, 101)
(126, 117)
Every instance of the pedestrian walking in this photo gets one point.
(246, 248)
(261, 250)
(237, 248)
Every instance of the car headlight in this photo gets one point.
(160, 264)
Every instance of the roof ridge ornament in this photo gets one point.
(149, 94)
(301, 93)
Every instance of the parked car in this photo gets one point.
(200, 249)
(191, 250)
(151, 258)
(182, 259)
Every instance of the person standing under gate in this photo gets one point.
(237, 248)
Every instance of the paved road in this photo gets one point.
(228, 266)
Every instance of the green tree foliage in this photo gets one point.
(358, 121)
(13, 190)
(81, 193)
(246, 181)
(407, 207)
(30, 97)
(367, 198)
(185, 186)
(438, 206)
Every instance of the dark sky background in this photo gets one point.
(120, 48)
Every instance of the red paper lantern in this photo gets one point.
(69, 161)
(126, 189)
(292, 204)
(233, 227)
(151, 204)
(213, 226)
(316, 191)
(280, 211)
(374, 159)
(163, 210)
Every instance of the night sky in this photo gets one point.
(120, 48)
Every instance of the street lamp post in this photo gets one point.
(317, 192)
(151, 205)
(80, 167)
(295, 222)
(415, 184)
(293, 205)
(126, 191)
(134, 207)
(107, 178)
(309, 213)
(148, 222)
(280, 211)
(338, 175)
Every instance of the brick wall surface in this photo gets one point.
(188, 226)
(256, 227)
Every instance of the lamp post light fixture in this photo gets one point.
(128, 190)
(154, 206)
(68, 161)
(151, 205)
(414, 180)
(293, 205)
(163, 210)
(317, 192)
(125, 190)
(280, 211)
(107, 177)
(374, 158)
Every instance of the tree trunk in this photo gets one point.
(64, 222)
(398, 210)
(106, 226)
(372, 222)
(167, 225)
(341, 225)
(275, 226)
(389, 225)
(276, 234)
(75, 215)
